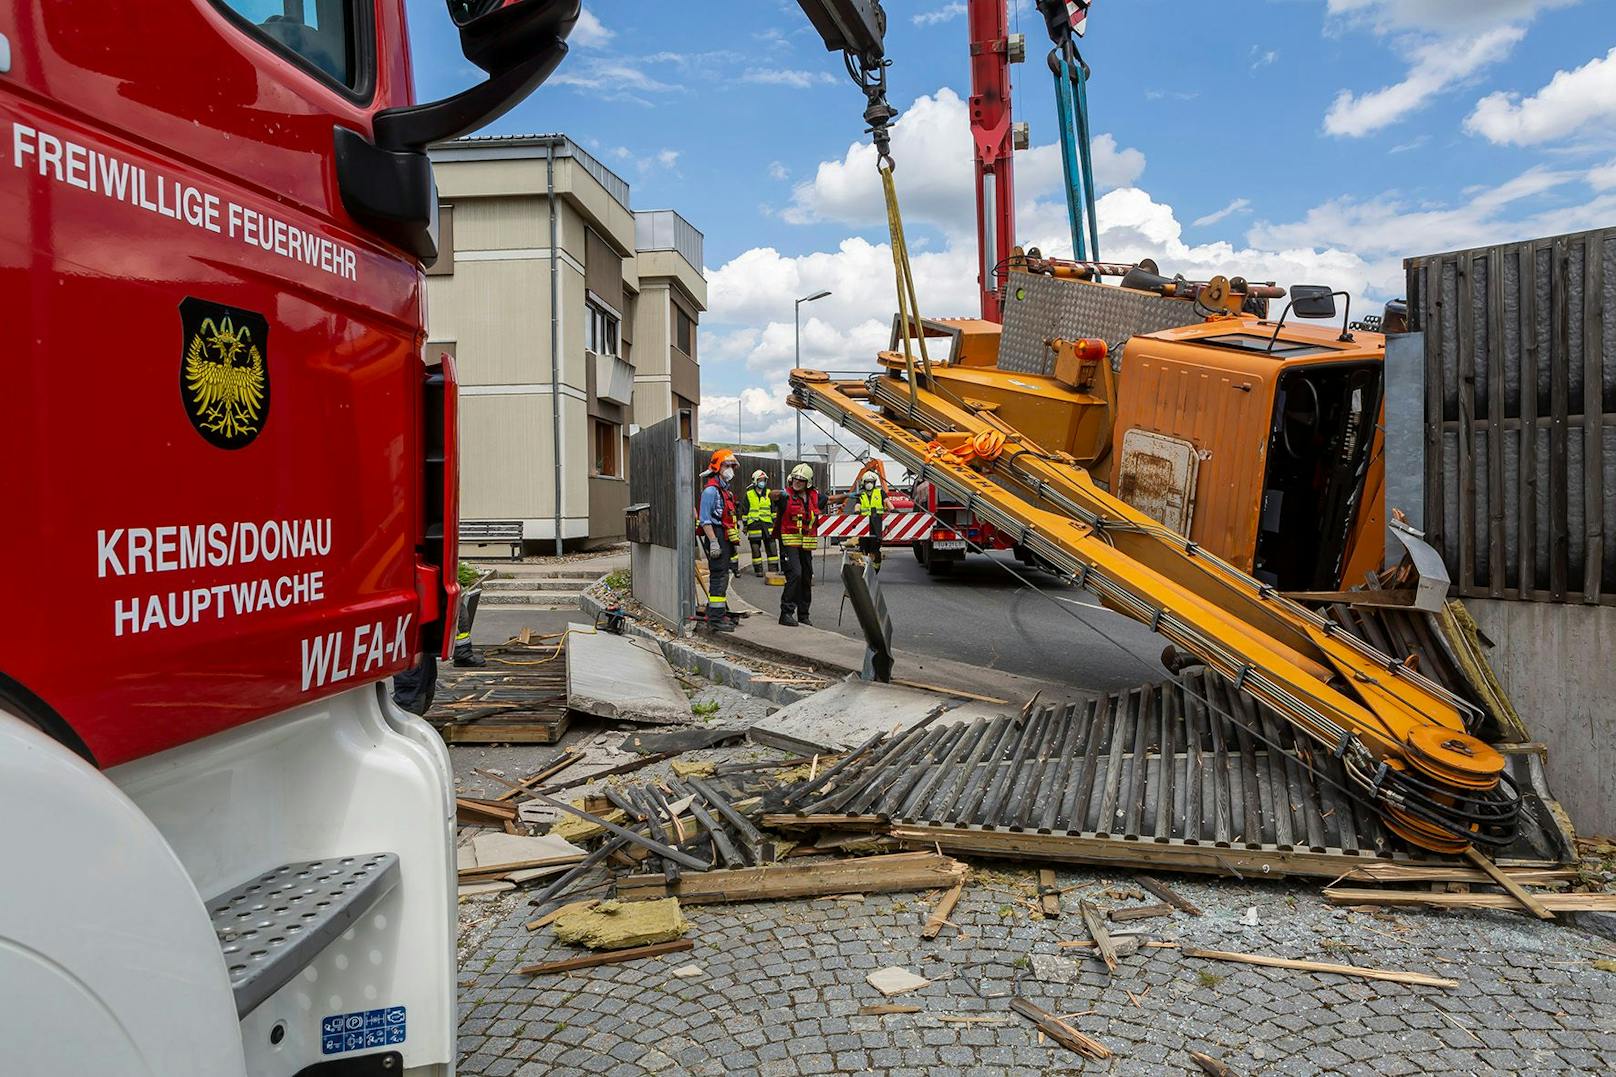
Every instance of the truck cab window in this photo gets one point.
(322, 33)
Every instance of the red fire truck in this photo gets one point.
(229, 516)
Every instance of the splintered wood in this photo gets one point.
(605, 957)
(942, 911)
(1101, 937)
(1059, 1031)
(1048, 894)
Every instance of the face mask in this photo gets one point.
(727, 474)
(760, 484)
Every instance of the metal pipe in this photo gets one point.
(555, 332)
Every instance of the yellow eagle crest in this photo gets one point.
(225, 380)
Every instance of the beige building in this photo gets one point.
(616, 295)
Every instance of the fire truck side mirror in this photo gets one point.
(500, 34)
(386, 179)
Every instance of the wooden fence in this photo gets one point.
(1520, 415)
(657, 478)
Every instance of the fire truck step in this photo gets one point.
(271, 926)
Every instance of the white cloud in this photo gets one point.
(609, 79)
(1385, 228)
(1353, 243)
(643, 163)
(1572, 102)
(588, 32)
(1412, 144)
(781, 76)
(1262, 57)
(778, 171)
(1439, 16)
(1239, 205)
(946, 13)
(932, 146)
(1434, 67)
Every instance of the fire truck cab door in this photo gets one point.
(211, 371)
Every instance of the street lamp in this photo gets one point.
(796, 315)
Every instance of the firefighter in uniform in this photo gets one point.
(759, 522)
(799, 517)
(719, 531)
(872, 506)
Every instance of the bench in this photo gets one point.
(493, 531)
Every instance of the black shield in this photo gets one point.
(224, 371)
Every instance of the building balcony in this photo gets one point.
(665, 230)
(614, 378)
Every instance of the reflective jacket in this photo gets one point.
(732, 527)
(759, 506)
(799, 516)
(871, 501)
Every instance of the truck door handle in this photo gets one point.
(5, 54)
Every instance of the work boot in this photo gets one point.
(757, 570)
(470, 660)
(720, 624)
(802, 619)
(787, 619)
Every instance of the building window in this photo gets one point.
(608, 449)
(684, 332)
(602, 330)
(444, 266)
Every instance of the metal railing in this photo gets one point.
(666, 230)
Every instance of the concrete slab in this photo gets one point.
(847, 714)
(616, 677)
(493, 850)
(895, 980)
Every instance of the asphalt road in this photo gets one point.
(984, 615)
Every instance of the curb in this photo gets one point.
(720, 670)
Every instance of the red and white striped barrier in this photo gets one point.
(898, 528)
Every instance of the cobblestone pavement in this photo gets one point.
(781, 985)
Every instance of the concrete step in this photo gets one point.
(576, 569)
(549, 600)
(538, 583)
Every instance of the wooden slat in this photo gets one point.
(1152, 855)
(1417, 978)
(1559, 391)
(1516, 890)
(1167, 709)
(607, 957)
(1527, 477)
(1593, 410)
(866, 875)
(1346, 895)
(1435, 484)
(1465, 358)
(942, 910)
(1497, 551)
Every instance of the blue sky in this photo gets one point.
(1281, 139)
